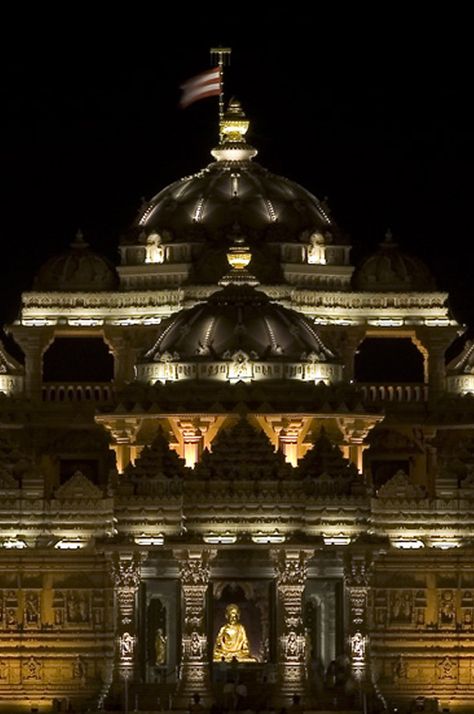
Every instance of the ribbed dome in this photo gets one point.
(235, 190)
(238, 334)
(239, 318)
(77, 270)
(391, 270)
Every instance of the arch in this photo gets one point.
(389, 359)
(78, 359)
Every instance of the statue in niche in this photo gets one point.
(315, 252)
(31, 609)
(447, 609)
(231, 641)
(160, 648)
(155, 252)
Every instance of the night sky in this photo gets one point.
(372, 112)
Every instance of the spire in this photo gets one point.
(233, 129)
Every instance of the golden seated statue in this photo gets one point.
(231, 640)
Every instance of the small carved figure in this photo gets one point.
(127, 644)
(315, 251)
(447, 609)
(160, 647)
(155, 252)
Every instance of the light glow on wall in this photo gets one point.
(274, 537)
(216, 539)
(11, 543)
(70, 544)
(339, 539)
(408, 543)
(144, 539)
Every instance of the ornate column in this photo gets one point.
(356, 580)
(34, 341)
(195, 570)
(291, 571)
(125, 569)
(123, 353)
(436, 341)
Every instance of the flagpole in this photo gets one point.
(223, 57)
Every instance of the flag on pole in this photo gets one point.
(207, 84)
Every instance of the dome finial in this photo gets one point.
(388, 241)
(79, 242)
(239, 256)
(233, 128)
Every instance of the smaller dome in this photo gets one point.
(77, 270)
(239, 334)
(391, 270)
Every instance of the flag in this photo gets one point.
(207, 84)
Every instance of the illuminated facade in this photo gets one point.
(236, 458)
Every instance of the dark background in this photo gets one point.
(372, 109)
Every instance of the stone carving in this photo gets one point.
(11, 608)
(358, 643)
(126, 573)
(79, 669)
(400, 487)
(32, 669)
(399, 669)
(467, 609)
(293, 646)
(4, 669)
(446, 608)
(77, 607)
(401, 606)
(195, 571)
(32, 609)
(126, 646)
(447, 668)
(78, 487)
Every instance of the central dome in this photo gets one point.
(182, 233)
(208, 204)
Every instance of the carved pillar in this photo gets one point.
(436, 341)
(346, 344)
(195, 671)
(124, 354)
(126, 578)
(291, 571)
(34, 341)
(356, 580)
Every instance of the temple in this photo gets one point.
(235, 452)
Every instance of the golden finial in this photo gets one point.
(234, 123)
(233, 128)
(239, 254)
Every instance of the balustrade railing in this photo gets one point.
(402, 392)
(77, 392)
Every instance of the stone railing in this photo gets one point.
(403, 392)
(77, 392)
